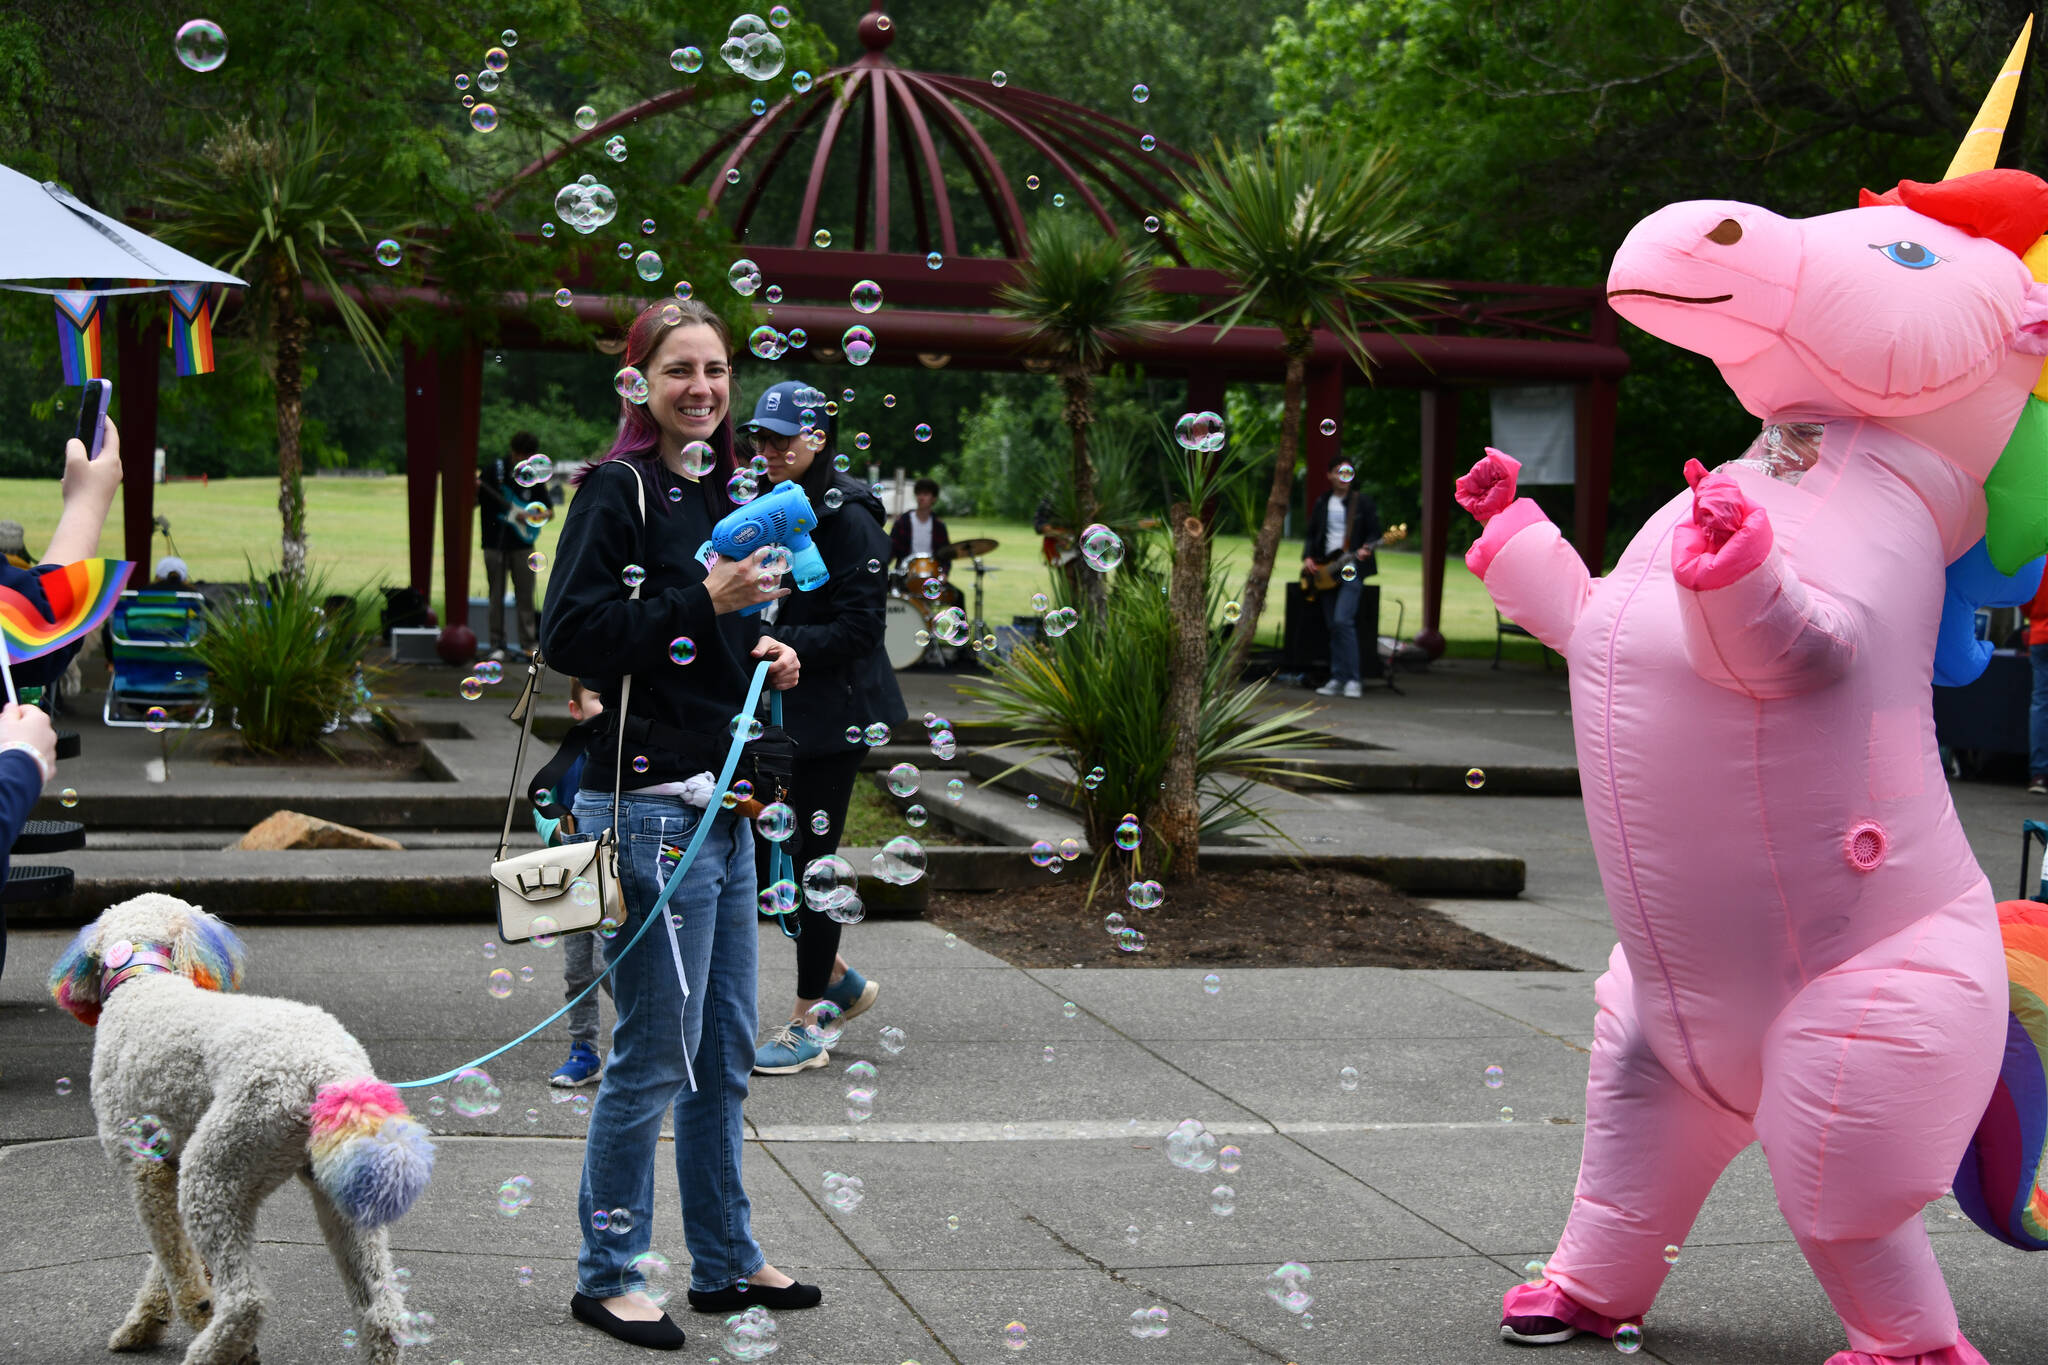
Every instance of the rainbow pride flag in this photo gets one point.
(81, 595)
(78, 334)
(191, 328)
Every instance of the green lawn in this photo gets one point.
(357, 528)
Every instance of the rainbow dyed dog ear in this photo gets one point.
(206, 950)
(75, 979)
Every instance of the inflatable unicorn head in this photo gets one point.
(1924, 299)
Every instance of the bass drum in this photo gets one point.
(901, 624)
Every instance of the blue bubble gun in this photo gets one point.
(781, 516)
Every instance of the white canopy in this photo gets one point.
(48, 239)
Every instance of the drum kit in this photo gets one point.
(918, 592)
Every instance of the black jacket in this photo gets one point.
(495, 489)
(1363, 530)
(589, 629)
(836, 630)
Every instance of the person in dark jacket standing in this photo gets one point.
(1343, 527)
(847, 685)
(508, 540)
(637, 520)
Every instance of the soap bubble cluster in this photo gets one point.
(752, 49)
(586, 204)
(1191, 1147)
(1202, 431)
(843, 1192)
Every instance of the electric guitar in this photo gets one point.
(515, 516)
(1326, 577)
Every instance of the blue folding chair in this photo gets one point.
(151, 639)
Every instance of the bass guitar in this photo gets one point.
(1325, 577)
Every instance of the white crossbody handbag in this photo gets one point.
(576, 886)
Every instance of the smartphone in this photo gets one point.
(92, 415)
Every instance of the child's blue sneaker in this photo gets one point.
(853, 993)
(787, 1051)
(583, 1067)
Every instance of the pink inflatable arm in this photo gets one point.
(1749, 623)
(1535, 578)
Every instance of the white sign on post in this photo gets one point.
(1539, 425)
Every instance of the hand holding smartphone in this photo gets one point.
(92, 415)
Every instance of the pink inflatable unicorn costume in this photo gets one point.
(1809, 955)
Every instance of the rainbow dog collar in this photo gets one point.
(124, 962)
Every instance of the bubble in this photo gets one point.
(751, 1335)
(583, 891)
(1060, 620)
(859, 344)
(514, 1195)
(1102, 548)
(865, 296)
(1671, 1254)
(648, 266)
(1628, 1338)
(1059, 201)
(388, 252)
(437, 1105)
(933, 260)
(1475, 778)
(1223, 1201)
(532, 1117)
(1533, 1272)
(1094, 780)
(1229, 1160)
(952, 940)
(843, 1192)
(144, 1138)
(653, 1269)
(1145, 895)
(631, 385)
(853, 735)
(1015, 1336)
(462, 80)
(600, 1219)
(348, 1339)
(742, 488)
(1130, 941)
(1288, 1287)
(1140, 93)
(1151, 223)
(490, 949)
(1201, 431)
(524, 1275)
(500, 983)
(1030, 182)
(759, 107)
(526, 974)
(829, 881)
(1070, 849)
(1149, 1324)
(586, 117)
(752, 50)
(622, 1221)
(900, 862)
(1191, 1147)
(487, 81)
(1349, 573)
(483, 118)
(777, 822)
(615, 146)
(201, 45)
(698, 457)
(633, 575)
(744, 277)
(1494, 1077)
(686, 59)
(1147, 142)
(922, 431)
(955, 790)
(1507, 1113)
(891, 1039)
(1347, 1078)
(877, 733)
(749, 726)
(545, 931)
(1212, 983)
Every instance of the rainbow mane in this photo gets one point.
(81, 595)
(2002, 1183)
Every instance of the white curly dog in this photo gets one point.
(208, 1102)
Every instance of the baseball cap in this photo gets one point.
(781, 407)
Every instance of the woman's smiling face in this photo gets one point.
(689, 385)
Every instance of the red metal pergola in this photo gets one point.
(907, 128)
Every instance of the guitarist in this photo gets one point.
(1343, 526)
(508, 541)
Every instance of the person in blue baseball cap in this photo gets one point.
(849, 687)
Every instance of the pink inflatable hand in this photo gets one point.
(1729, 535)
(1490, 486)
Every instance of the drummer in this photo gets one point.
(849, 687)
(919, 534)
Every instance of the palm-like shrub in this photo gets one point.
(1097, 697)
(283, 664)
(273, 205)
(1080, 293)
(1299, 224)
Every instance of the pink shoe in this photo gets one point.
(1543, 1315)
(1962, 1353)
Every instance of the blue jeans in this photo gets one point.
(656, 1021)
(2037, 718)
(1340, 614)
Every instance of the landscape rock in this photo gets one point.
(289, 829)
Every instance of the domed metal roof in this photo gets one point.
(896, 130)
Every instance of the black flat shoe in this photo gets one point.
(660, 1335)
(734, 1299)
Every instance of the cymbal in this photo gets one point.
(973, 549)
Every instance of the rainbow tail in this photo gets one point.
(2003, 1181)
(369, 1156)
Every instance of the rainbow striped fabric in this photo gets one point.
(2003, 1181)
(78, 334)
(191, 328)
(81, 595)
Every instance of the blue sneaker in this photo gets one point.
(853, 994)
(787, 1052)
(583, 1067)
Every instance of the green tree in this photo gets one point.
(1080, 294)
(1302, 226)
(274, 205)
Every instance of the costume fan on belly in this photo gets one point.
(1809, 955)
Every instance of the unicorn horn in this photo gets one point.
(1979, 149)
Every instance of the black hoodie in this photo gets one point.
(589, 629)
(836, 630)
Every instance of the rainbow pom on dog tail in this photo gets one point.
(369, 1155)
(2003, 1181)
